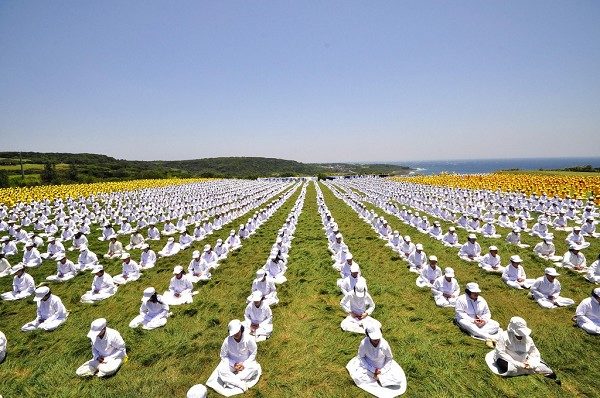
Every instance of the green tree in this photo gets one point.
(72, 173)
(49, 174)
(4, 180)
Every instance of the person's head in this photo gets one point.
(349, 258)
(150, 295)
(518, 327)
(472, 290)
(178, 271)
(448, 273)
(493, 250)
(574, 248)
(452, 230)
(42, 293)
(29, 245)
(374, 335)
(97, 329)
(472, 238)
(236, 329)
(354, 270)
(596, 294)
(551, 273)
(256, 297)
(548, 238)
(145, 247)
(419, 248)
(98, 270)
(261, 275)
(576, 230)
(126, 257)
(360, 289)
(433, 261)
(407, 239)
(515, 260)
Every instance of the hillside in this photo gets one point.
(43, 168)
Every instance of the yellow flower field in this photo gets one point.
(11, 196)
(559, 185)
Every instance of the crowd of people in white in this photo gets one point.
(39, 233)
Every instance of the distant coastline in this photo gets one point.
(490, 165)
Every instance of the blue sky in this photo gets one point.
(305, 80)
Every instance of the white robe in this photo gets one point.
(428, 276)
(391, 382)
(353, 306)
(510, 276)
(170, 249)
(466, 312)
(243, 352)
(547, 294)
(261, 316)
(50, 315)
(440, 287)
(147, 259)
(2, 346)
(516, 353)
(588, 315)
(102, 288)
(491, 263)
(183, 287)
(470, 251)
(131, 272)
(152, 315)
(593, 274)
(23, 286)
(64, 272)
(111, 348)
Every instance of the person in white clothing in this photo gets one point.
(593, 274)
(491, 262)
(55, 247)
(31, 256)
(546, 249)
(147, 258)
(198, 270)
(588, 313)
(347, 284)
(131, 271)
(5, 268)
(516, 354)
(546, 290)
(238, 369)
(258, 317)
(489, 230)
(79, 239)
(577, 238)
(171, 248)
(65, 269)
(374, 367)
(266, 286)
(153, 311)
(574, 259)
(233, 241)
(407, 247)
(471, 250)
(23, 284)
(103, 286)
(514, 238)
(185, 240)
(276, 269)
(514, 274)
(445, 289)
(417, 260)
(51, 313)
(2, 347)
(108, 351)
(221, 249)
(180, 288)
(429, 273)
(210, 257)
(153, 232)
(136, 240)
(474, 317)
(358, 305)
(87, 259)
(115, 248)
(450, 239)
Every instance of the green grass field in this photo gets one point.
(307, 354)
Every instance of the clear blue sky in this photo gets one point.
(303, 80)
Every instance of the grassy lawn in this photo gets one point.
(308, 352)
(441, 360)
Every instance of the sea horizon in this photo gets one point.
(470, 166)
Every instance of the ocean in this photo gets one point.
(489, 165)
